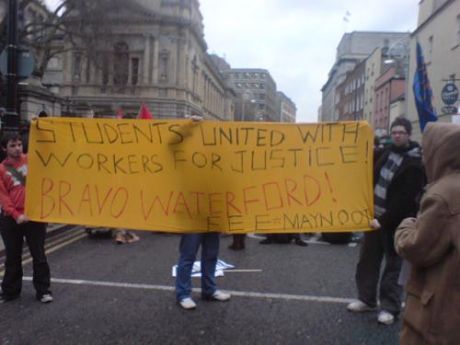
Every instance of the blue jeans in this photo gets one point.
(189, 245)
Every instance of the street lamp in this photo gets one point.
(11, 118)
(243, 105)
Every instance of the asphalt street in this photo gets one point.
(123, 294)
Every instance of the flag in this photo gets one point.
(120, 113)
(144, 113)
(422, 91)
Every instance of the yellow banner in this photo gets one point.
(185, 176)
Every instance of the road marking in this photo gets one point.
(241, 270)
(261, 295)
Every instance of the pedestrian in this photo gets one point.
(189, 245)
(284, 239)
(431, 243)
(188, 249)
(398, 179)
(15, 226)
(238, 242)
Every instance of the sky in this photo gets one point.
(296, 40)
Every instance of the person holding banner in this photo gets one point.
(398, 180)
(189, 245)
(431, 243)
(15, 226)
(188, 248)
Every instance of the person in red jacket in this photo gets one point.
(15, 226)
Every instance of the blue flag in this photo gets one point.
(422, 92)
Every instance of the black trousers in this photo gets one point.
(13, 238)
(375, 247)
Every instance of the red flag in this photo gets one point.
(144, 113)
(120, 113)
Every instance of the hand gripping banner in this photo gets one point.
(186, 176)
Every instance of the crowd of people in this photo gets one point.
(417, 219)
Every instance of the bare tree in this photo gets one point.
(73, 24)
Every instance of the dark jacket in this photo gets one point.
(432, 244)
(406, 185)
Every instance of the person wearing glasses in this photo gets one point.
(399, 179)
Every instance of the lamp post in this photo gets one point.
(243, 105)
(11, 117)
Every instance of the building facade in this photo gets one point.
(438, 32)
(350, 94)
(353, 48)
(256, 94)
(389, 90)
(286, 108)
(155, 54)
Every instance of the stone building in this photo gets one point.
(353, 48)
(256, 94)
(155, 54)
(438, 32)
(286, 108)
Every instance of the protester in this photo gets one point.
(284, 239)
(188, 248)
(398, 179)
(189, 245)
(15, 226)
(431, 243)
(238, 242)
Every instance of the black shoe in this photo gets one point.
(300, 242)
(235, 246)
(8, 298)
(266, 241)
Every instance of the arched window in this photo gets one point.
(121, 64)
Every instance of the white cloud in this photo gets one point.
(296, 40)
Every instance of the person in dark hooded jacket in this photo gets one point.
(431, 243)
(398, 180)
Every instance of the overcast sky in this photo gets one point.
(296, 40)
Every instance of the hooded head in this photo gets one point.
(440, 144)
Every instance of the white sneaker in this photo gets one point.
(385, 317)
(46, 298)
(359, 307)
(218, 296)
(187, 303)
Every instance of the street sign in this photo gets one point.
(26, 63)
(449, 93)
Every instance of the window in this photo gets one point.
(458, 28)
(76, 69)
(105, 69)
(430, 48)
(121, 64)
(164, 63)
(134, 71)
